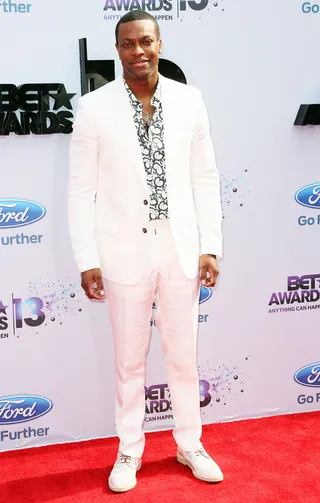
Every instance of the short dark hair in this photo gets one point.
(136, 15)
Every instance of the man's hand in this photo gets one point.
(91, 282)
(209, 270)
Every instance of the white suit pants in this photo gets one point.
(130, 310)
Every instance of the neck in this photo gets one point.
(142, 89)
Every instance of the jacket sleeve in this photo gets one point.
(83, 174)
(206, 184)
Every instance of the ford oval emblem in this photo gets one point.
(309, 196)
(309, 375)
(22, 408)
(19, 212)
(205, 294)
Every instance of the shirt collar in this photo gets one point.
(156, 99)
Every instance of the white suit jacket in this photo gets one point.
(107, 182)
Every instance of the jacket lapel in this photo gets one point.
(126, 124)
(170, 120)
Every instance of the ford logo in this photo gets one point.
(309, 196)
(19, 212)
(21, 408)
(309, 375)
(205, 294)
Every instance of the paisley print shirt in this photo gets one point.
(153, 153)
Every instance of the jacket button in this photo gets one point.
(145, 202)
(144, 230)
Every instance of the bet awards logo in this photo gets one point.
(303, 292)
(158, 401)
(24, 313)
(35, 109)
(159, 8)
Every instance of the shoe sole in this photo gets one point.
(122, 489)
(183, 461)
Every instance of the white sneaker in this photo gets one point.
(123, 475)
(202, 466)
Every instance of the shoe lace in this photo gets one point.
(201, 452)
(125, 459)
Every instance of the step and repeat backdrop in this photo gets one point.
(259, 349)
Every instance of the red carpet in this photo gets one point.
(266, 460)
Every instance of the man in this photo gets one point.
(145, 217)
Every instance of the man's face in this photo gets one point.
(139, 48)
